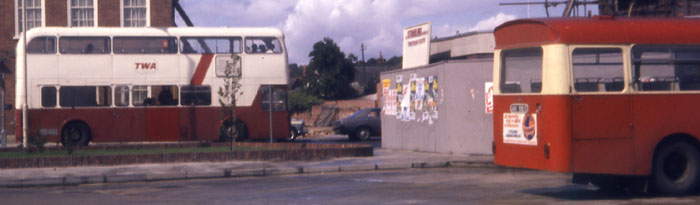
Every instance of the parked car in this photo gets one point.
(360, 125)
(297, 129)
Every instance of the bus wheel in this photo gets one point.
(225, 131)
(676, 168)
(75, 134)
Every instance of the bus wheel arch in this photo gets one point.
(225, 130)
(75, 133)
(675, 166)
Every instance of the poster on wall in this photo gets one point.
(520, 128)
(488, 97)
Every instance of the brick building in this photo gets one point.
(71, 13)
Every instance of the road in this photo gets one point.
(334, 139)
(412, 186)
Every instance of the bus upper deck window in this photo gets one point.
(598, 69)
(84, 45)
(145, 45)
(521, 71)
(262, 45)
(44, 44)
(220, 45)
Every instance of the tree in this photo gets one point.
(329, 73)
(396, 60)
(352, 58)
(372, 61)
(231, 127)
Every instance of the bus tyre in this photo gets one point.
(363, 133)
(676, 168)
(75, 134)
(225, 130)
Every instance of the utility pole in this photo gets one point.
(362, 48)
(25, 107)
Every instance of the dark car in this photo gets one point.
(296, 129)
(360, 125)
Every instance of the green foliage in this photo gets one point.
(36, 142)
(227, 95)
(396, 60)
(294, 70)
(301, 102)
(329, 73)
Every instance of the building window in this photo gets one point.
(34, 14)
(135, 13)
(82, 13)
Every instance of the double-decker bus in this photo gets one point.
(150, 84)
(612, 100)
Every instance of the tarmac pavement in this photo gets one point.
(383, 159)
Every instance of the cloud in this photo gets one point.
(491, 23)
(376, 23)
(237, 13)
(487, 24)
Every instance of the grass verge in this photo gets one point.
(113, 152)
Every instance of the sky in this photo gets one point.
(378, 24)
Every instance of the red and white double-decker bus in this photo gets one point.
(612, 100)
(150, 84)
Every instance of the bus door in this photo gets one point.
(162, 116)
(601, 113)
(128, 121)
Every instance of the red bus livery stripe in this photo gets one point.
(201, 69)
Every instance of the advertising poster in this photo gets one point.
(488, 97)
(520, 128)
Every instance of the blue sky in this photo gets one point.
(376, 23)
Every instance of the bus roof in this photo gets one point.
(597, 30)
(153, 31)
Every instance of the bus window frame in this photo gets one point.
(107, 51)
(174, 39)
(502, 72)
(55, 45)
(637, 83)
(245, 45)
(182, 42)
(625, 49)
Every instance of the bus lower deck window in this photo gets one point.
(196, 95)
(48, 96)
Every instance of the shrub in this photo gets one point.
(301, 102)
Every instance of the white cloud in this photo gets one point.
(237, 13)
(491, 23)
(376, 23)
(487, 24)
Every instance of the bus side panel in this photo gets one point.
(657, 116)
(162, 123)
(553, 131)
(199, 123)
(258, 121)
(44, 122)
(49, 122)
(602, 134)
